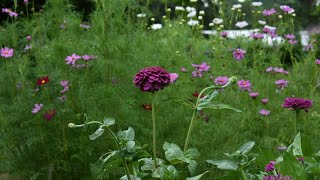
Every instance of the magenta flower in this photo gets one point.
(238, 54)
(269, 12)
(257, 36)
(264, 101)
(254, 94)
(264, 112)
(221, 80)
(282, 84)
(196, 73)
(183, 69)
(244, 85)
(201, 67)
(29, 37)
(6, 52)
(224, 34)
(277, 177)
(65, 85)
(37, 108)
(26, 1)
(72, 59)
(270, 166)
(173, 77)
(49, 114)
(318, 61)
(152, 79)
(292, 41)
(88, 57)
(289, 36)
(8, 11)
(294, 103)
(287, 9)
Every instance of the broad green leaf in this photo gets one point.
(197, 177)
(225, 164)
(173, 153)
(292, 167)
(306, 145)
(127, 135)
(149, 164)
(168, 172)
(182, 101)
(132, 177)
(246, 147)
(216, 106)
(192, 153)
(96, 134)
(130, 146)
(97, 167)
(295, 147)
(192, 167)
(109, 121)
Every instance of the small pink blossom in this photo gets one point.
(318, 61)
(221, 80)
(29, 37)
(254, 95)
(269, 69)
(287, 9)
(264, 101)
(8, 11)
(269, 12)
(289, 36)
(37, 108)
(201, 67)
(244, 85)
(257, 36)
(224, 34)
(292, 41)
(173, 77)
(183, 69)
(88, 57)
(238, 54)
(264, 112)
(72, 59)
(6, 52)
(65, 85)
(282, 84)
(26, 1)
(196, 73)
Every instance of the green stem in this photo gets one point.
(243, 175)
(296, 121)
(189, 131)
(154, 128)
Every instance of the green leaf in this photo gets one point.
(290, 166)
(225, 164)
(192, 153)
(192, 167)
(96, 134)
(173, 153)
(109, 121)
(97, 167)
(197, 177)
(246, 147)
(130, 146)
(132, 177)
(127, 135)
(168, 172)
(215, 106)
(295, 147)
(182, 101)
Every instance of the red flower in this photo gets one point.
(147, 107)
(49, 114)
(196, 94)
(43, 80)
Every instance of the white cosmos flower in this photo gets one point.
(192, 14)
(261, 22)
(257, 4)
(237, 6)
(217, 21)
(141, 15)
(241, 1)
(193, 0)
(201, 12)
(200, 17)
(179, 8)
(190, 9)
(156, 26)
(192, 22)
(242, 24)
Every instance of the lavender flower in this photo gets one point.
(269, 12)
(37, 108)
(221, 80)
(244, 85)
(264, 112)
(282, 84)
(287, 9)
(254, 94)
(264, 101)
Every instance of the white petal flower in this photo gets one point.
(193, 22)
(241, 1)
(190, 9)
(261, 22)
(237, 6)
(257, 4)
(179, 8)
(193, 0)
(217, 21)
(201, 12)
(242, 24)
(156, 26)
(192, 14)
(141, 15)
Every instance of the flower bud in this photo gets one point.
(152, 19)
(71, 125)
(233, 79)
(280, 16)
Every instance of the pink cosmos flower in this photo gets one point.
(224, 34)
(238, 54)
(88, 57)
(65, 85)
(282, 83)
(37, 108)
(264, 101)
(183, 69)
(201, 67)
(287, 9)
(318, 61)
(29, 37)
(264, 112)
(26, 1)
(257, 36)
(173, 77)
(72, 59)
(8, 11)
(270, 166)
(289, 36)
(6, 52)
(244, 85)
(292, 41)
(269, 12)
(269, 69)
(196, 73)
(221, 80)
(254, 94)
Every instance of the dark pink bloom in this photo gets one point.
(244, 85)
(173, 77)
(29, 37)
(289, 36)
(287, 9)
(269, 12)
(294, 103)
(264, 101)
(221, 80)
(37, 108)
(72, 59)
(270, 166)
(238, 54)
(301, 159)
(49, 114)
(6, 52)
(264, 112)
(254, 94)
(152, 79)
(276, 177)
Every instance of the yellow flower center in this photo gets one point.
(43, 81)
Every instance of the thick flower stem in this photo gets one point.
(154, 128)
(189, 131)
(296, 122)
(243, 175)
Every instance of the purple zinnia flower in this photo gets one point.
(270, 166)
(37, 108)
(221, 80)
(6, 52)
(254, 94)
(264, 101)
(294, 103)
(264, 112)
(287, 9)
(244, 85)
(173, 77)
(318, 61)
(72, 59)
(238, 54)
(269, 12)
(202, 67)
(289, 36)
(152, 79)
(282, 83)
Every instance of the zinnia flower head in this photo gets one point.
(295, 103)
(244, 85)
(152, 79)
(37, 108)
(264, 112)
(238, 54)
(221, 80)
(270, 166)
(173, 77)
(49, 114)
(43, 80)
(6, 52)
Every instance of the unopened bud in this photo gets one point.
(71, 125)
(233, 79)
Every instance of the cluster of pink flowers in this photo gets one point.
(74, 58)
(238, 54)
(277, 70)
(200, 68)
(291, 38)
(8, 11)
(6, 52)
(269, 12)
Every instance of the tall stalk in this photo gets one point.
(154, 128)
